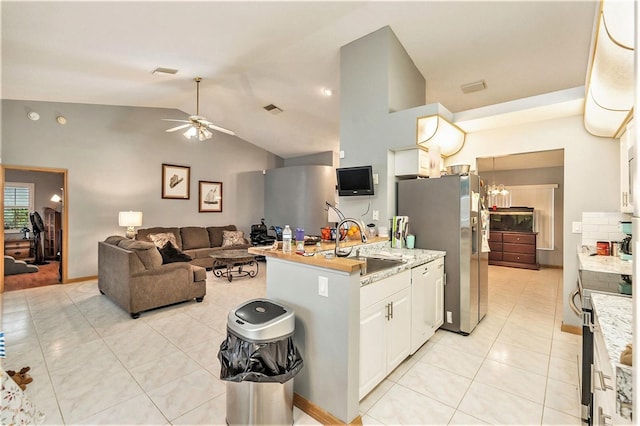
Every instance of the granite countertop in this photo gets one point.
(380, 247)
(606, 264)
(614, 314)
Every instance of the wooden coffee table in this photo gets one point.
(237, 263)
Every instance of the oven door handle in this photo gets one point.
(572, 302)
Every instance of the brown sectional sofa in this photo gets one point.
(132, 275)
(196, 241)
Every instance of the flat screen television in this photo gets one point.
(355, 181)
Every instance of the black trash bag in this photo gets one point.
(240, 360)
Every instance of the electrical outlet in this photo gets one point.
(323, 286)
(449, 317)
(576, 227)
(376, 215)
(375, 178)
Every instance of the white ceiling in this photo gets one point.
(251, 54)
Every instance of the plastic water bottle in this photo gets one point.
(286, 240)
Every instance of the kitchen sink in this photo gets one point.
(376, 264)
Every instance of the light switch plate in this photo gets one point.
(375, 178)
(323, 286)
(576, 227)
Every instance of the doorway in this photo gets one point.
(37, 246)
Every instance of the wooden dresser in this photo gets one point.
(18, 249)
(515, 249)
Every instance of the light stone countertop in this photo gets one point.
(615, 317)
(378, 246)
(605, 264)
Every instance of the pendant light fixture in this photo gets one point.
(494, 189)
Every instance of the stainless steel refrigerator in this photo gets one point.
(446, 213)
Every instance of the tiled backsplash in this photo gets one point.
(602, 226)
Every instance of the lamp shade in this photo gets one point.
(130, 218)
(436, 131)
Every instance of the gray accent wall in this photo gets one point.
(114, 157)
(296, 196)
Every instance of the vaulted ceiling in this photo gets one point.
(251, 54)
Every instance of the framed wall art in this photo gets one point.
(210, 196)
(175, 181)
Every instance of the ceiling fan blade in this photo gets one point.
(220, 129)
(173, 119)
(182, 126)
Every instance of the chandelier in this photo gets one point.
(494, 189)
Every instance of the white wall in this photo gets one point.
(114, 158)
(591, 174)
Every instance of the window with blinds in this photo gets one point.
(18, 202)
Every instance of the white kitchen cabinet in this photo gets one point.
(603, 383)
(625, 194)
(412, 162)
(427, 301)
(385, 322)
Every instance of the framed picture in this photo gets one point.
(210, 196)
(175, 181)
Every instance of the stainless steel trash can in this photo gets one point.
(251, 402)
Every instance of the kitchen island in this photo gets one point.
(325, 295)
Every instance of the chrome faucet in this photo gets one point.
(361, 228)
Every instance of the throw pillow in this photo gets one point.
(171, 254)
(232, 238)
(160, 240)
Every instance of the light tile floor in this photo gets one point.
(92, 364)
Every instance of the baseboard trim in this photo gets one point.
(552, 266)
(77, 280)
(320, 414)
(573, 329)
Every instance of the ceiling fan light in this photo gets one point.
(191, 131)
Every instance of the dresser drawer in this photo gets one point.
(521, 258)
(495, 246)
(519, 238)
(495, 236)
(18, 249)
(495, 255)
(518, 248)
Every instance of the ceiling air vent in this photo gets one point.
(474, 87)
(162, 70)
(272, 109)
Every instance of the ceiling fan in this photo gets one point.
(198, 125)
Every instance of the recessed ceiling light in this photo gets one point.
(34, 116)
(162, 70)
(327, 92)
(61, 119)
(474, 87)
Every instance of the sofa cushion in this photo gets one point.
(143, 234)
(146, 252)
(161, 239)
(171, 254)
(232, 238)
(194, 237)
(114, 239)
(215, 234)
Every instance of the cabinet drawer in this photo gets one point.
(495, 236)
(495, 255)
(519, 238)
(17, 253)
(521, 258)
(495, 246)
(17, 244)
(518, 248)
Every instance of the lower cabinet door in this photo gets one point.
(373, 356)
(398, 326)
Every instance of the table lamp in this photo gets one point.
(130, 219)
